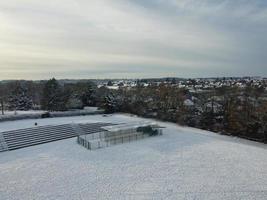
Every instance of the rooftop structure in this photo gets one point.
(118, 134)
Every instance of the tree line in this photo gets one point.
(48, 95)
(229, 110)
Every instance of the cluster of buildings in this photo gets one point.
(203, 95)
(194, 85)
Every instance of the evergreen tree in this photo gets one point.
(110, 83)
(19, 99)
(110, 104)
(54, 97)
(83, 93)
(2, 106)
(87, 96)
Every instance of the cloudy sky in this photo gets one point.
(132, 38)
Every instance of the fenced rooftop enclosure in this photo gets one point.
(119, 134)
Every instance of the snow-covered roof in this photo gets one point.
(130, 125)
(213, 104)
(188, 102)
(114, 87)
(184, 163)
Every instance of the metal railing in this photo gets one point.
(108, 138)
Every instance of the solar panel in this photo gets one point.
(21, 138)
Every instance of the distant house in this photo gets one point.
(217, 98)
(212, 106)
(113, 87)
(188, 103)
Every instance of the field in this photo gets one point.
(184, 163)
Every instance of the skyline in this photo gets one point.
(132, 39)
(144, 78)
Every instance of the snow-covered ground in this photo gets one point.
(21, 112)
(184, 163)
(35, 114)
(30, 112)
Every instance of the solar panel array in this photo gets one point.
(16, 139)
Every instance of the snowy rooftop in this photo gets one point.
(131, 125)
(184, 163)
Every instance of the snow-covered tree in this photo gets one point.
(54, 97)
(110, 103)
(87, 95)
(19, 99)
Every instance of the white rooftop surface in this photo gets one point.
(126, 126)
(183, 163)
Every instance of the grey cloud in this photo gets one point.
(132, 38)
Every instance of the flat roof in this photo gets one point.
(130, 125)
